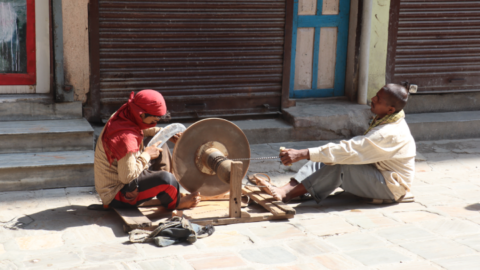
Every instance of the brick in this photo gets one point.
(355, 241)
(472, 241)
(405, 233)
(268, 255)
(214, 260)
(375, 256)
(448, 227)
(471, 262)
(276, 232)
(422, 265)
(328, 226)
(108, 252)
(335, 261)
(398, 207)
(39, 242)
(369, 221)
(226, 239)
(52, 260)
(310, 246)
(2, 249)
(438, 199)
(416, 216)
(437, 248)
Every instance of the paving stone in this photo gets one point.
(225, 239)
(449, 227)
(214, 260)
(327, 226)
(437, 248)
(52, 260)
(404, 233)
(6, 265)
(472, 241)
(471, 262)
(108, 252)
(39, 242)
(369, 221)
(99, 267)
(310, 246)
(421, 167)
(416, 216)
(438, 199)
(276, 232)
(152, 251)
(422, 265)
(335, 261)
(375, 256)
(459, 211)
(2, 249)
(163, 264)
(354, 241)
(92, 234)
(400, 207)
(302, 266)
(268, 255)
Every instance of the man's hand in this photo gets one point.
(176, 137)
(153, 150)
(290, 156)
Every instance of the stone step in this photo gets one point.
(37, 107)
(444, 126)
(30, 171)
(45, 136)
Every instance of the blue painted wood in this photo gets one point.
(316, 51)
(317, 21)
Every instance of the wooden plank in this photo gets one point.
(236, 175)
(266, 203)
(226, 221)
(287, 208)
(223, 197)
(133, 217)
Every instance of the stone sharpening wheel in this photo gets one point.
(202, 156)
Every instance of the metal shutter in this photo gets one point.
(210, 58)
(435, 44)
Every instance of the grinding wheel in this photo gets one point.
(198, 134)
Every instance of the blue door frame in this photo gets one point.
(318, 21)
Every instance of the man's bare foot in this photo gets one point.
(189, 200)
(277, 193)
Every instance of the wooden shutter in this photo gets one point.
(435, 44)
(208, 58)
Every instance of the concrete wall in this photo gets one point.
(378, 46)
(75, 47)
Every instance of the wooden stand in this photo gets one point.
(216, 212)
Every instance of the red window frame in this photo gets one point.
(30, 77)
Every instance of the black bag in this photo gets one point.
(174, 230)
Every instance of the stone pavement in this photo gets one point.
(52, 229)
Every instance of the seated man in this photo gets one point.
(378, 165)
(122, 174)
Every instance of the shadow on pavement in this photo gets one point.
(473, 207)
(62, 218)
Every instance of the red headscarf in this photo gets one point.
(124, 131)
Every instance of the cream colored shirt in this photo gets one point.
(110, 179)
(390, 147)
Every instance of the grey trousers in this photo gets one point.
(362, 180)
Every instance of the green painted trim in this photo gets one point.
(378, 46)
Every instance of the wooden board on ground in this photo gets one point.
(133, 218)
(216, 213)
(267, 201)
